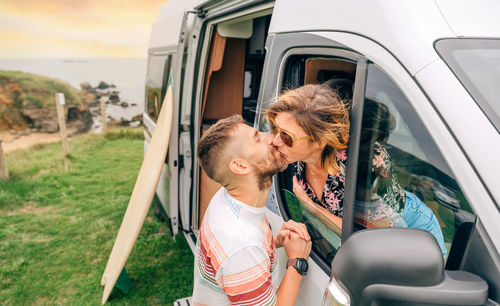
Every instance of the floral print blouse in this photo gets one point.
(390, 191)
(333, 192)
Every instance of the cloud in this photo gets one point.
(69, 28)
(26, 45)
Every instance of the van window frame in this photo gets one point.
(356, 118)
(458, 253)
(354, 134)
(167, 64)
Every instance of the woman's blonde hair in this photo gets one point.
(320, 112)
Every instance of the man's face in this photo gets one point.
(257, 149)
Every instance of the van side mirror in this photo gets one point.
(399, 266)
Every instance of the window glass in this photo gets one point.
(476, 63)
(247, 86)
(339, 74)
(325, 235)
(403, 179)
(158, 73)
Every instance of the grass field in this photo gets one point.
(57, 228)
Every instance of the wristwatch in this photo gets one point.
(300, 264)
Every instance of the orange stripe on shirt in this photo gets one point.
(215, 251)
(251, 272)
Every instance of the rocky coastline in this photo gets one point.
(107, 92)
(27, 105)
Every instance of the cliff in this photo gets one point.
(27, 101)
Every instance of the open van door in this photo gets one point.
(174, 156)
(167, 58)
(223, 67)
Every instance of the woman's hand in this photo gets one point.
(332, 221)
(300, 192)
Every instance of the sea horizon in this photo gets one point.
(127, 74)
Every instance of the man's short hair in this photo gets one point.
(213, 145)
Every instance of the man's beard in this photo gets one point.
(265, 169)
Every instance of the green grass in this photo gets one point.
(57, 228)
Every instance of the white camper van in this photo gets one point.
(434, 64)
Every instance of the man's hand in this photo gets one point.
(289, 287)
(291, 227)
(295, 247)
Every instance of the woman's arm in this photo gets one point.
(332, 221)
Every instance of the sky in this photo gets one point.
(76, 28)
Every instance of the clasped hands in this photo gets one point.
(293, 236)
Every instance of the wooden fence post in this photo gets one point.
(103, 115)
(4, 172)
(62, 121)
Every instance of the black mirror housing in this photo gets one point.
(402, 266)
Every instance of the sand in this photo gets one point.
(12, 141)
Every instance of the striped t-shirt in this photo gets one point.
(235, 260)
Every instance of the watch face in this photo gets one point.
(302, 264)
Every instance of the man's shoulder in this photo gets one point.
(220, 213)
(228, 227)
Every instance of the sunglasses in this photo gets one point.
(287, 138)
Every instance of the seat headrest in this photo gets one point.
(343, 87)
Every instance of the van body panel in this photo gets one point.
(412, 40)
(189, 50)
(216, 8)
(149, 124)
(167, 28)
(471, 18)
(185, 154)
(173, 152)
(162, 190)
(187, 42)
(186, 125)
(310, 291)
(483, 258)
(476, 135)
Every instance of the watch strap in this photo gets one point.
(294, 262)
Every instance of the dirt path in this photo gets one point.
(12, 142)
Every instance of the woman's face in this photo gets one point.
(301, 149)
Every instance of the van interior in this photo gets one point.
(232, 80)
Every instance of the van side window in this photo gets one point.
(403, 179)
(339, 74)
(156, 79)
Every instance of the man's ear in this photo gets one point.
(239, 166)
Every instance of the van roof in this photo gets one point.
(166, 29)
(406, 28)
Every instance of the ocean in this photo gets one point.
(128, 74)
